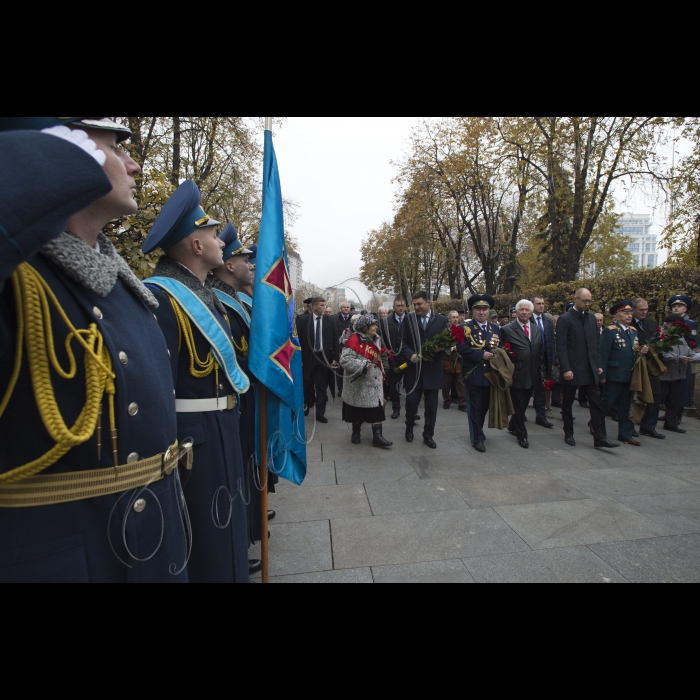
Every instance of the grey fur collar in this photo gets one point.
(222, 286)
(95, 271)
(167, 267)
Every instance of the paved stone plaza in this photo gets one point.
(548, 514)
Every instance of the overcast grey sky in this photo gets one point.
(338, 170)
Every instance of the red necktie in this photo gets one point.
(527, 329)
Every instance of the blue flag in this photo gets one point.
(275, 353)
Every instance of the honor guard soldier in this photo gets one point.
(681, 305)
(246, 293)
(482, 339)
(618, 355)
(236, 274)
(208, 383)
(89, 487)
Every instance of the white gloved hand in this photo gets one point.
(80, 139)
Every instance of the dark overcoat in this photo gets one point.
(578, 348)
(473, 358)
(413, 337)
(70, 542)
(220, 525)
(529, 360)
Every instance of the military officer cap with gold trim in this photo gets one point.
(233, 246)
(681, 299)
(624, 305)
(481, 301)
(40, 123)
(181, 216)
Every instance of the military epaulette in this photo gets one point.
(613, 328)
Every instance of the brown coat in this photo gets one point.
(448, 364)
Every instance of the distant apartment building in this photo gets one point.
(296, 270)
(644, 245)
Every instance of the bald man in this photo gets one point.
(578, 348)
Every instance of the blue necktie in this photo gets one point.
(544, 340)
(317, 347)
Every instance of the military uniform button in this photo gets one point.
(132, 458)
(221, 387)
(140, 506)
(123, 358)
(98, 314)
(133, 409)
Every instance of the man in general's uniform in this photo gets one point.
(681, 305)
(482, 339)
(618, 354)
(208, 384)
(89, 487)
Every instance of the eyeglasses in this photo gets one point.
(585, 301)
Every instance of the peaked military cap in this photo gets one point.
(514, 309)
(570, 306)
(481, 301)
(39, 123)
(308, 301)
(44, 181)
(233, 246)
(624, 305)
(681, 299)
(181, 216)
(253, 255)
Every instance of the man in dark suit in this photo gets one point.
(618, 355)
(529, 359)
(422, 379)
(482, 339)
(646, 330)
(320, 350)
(579, 359)
(391, 329)
(545, 325)
(342, 322)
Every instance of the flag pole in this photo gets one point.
(264, 475)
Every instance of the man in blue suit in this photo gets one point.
(618, 354)
(546, 326)
(482, 339)
(422, 379)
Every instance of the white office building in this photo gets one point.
(644, 245)
(296, 270)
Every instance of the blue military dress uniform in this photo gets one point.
(478, 341)
(617, 359)
(80, 519)
(208, 383)
(240, 319)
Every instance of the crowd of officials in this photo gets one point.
(375, 361)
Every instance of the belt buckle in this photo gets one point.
(232, 402)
